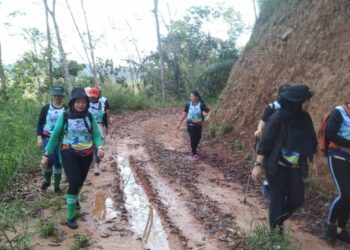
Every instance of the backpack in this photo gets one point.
(47, 107)
(322, 142)
(201, 106)
(89, 127)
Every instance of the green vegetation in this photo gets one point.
(238, 145)
(220, 130)
(18, 148)
(47, 228)
(80, 242)
(14, 225)
(263, 239)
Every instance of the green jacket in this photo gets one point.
(57, 136)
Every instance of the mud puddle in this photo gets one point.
(104, 208)
(144, 220)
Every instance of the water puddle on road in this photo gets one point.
(138, 206)
(104, 208)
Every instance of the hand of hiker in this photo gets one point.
(40, 142)
(44, 162)
(100, 152)
(257, 173)
(258, 134)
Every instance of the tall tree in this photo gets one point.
(63, 58)
(160, 50)
(256, 15)
(2, 78)
(49, 47)
(90, 44)
(81, 37)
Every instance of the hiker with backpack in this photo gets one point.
(288, 143)
(269, 110)
(45, 126)
(335, 144)
(105, 103)
(98, 110)
(77, 133)
(194, 110)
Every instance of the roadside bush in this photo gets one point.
(18, 148)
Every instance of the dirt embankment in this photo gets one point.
(304, 41)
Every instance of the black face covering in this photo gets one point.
(297, 129)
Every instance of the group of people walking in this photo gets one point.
(287, 145)
(72, 136)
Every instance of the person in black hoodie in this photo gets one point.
(289, 141)
(338, 152)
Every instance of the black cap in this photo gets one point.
(297, 93)
(76, 94)
(57, 91)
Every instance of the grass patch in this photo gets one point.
(238, 145)
(47, 228)
(261, 238)
(14, 226)
(80, 242)
(18, 148)
(220, 130)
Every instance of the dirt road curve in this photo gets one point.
(196, 205)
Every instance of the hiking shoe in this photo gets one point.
(330, 232)
(195, 157)
(97, 171)
(276, 246)
(344, 236)
(72, 223)
(58, 190)
(77, 207)
(45, 186)
(265, 191)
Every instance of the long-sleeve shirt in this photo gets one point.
(57, 135)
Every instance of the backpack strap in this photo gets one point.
(346, 108)
(88, 126)
(46, 109)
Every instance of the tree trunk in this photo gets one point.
(49, 55)
(160, 50)
(256, 15)
(81, 39)
(90, 44)
(63, 58)
(2, 78)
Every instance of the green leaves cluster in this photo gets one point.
(194, 59)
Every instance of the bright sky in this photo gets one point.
(108, 22)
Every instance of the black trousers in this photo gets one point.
(76, 167)
(195, 133)
(286, 194)
(340, 208)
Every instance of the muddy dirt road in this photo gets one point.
(195, 205)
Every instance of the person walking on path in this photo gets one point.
(338, 153)
(98, 110)
(194, 110)
(77, 133)
(105, 104)
(288, 144)
(45, 126)
(269, 110)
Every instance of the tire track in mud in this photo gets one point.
(209, 192)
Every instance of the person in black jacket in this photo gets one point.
(338, 151)
(288, 143)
